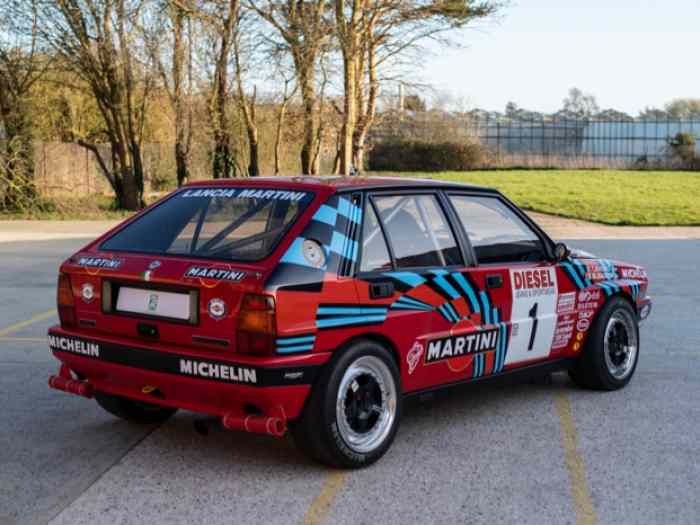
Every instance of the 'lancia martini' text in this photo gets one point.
(239, 193)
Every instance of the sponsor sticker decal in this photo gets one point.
(566, 303)
(74, 346)
(237, 374)
(414, 355)
(534, 312)
(583, 325)
(585, 296)
(217, 309)
(533, 283)
(633, 273)
(563, 332)
(461, 345)
(99, 262)
(217, 274)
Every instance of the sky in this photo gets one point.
(629, 54)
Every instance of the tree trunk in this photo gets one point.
(365, 122)
(181, 164)
(304, 68)
(182, 126)
(278, 134)
(253, 166)
(349, 117)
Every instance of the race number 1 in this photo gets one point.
(533, 312)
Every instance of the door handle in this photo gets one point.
(494, 281)
(381, 290)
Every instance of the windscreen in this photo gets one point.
(242, 224)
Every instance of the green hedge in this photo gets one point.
(426, 156)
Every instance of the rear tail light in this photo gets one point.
(65, 301)
(257, 328)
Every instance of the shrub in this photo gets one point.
(683, 148)
(404, 155)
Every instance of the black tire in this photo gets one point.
(134, 411)
(320, 435)
(593, 370)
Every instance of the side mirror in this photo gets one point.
(561, 251)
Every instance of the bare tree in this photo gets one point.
(580, 104)
(393, 33)
(305, 28)
(287, 96)
(221, 17)
(349, 31)
(170, 43)
(97, 40)
(22, 64)
(246, 104)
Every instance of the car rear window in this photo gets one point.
(241, 224)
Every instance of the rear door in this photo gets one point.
(409, 257)
(515, 274)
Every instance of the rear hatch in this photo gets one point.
(178, 273)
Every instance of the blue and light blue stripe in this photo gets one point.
(479, 364)
(408, 303)
(411, 279)
(292, 345)
(449, 313)
(466, 287)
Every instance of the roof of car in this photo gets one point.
(339, 183)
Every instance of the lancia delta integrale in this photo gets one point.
(315, 305)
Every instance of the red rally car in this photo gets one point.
(317, 304)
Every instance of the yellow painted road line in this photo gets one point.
(22, 324)
(583, 505)
(321, 506)
(22, 339)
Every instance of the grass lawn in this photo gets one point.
(649, 198)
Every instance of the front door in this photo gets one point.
(510, 252)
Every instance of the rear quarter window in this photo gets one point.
(241, 224)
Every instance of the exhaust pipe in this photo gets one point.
(272, 426)
(79, 388)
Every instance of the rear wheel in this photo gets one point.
(132, 410)
(353, 412)
(612, 349)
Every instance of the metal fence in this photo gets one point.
(564, 142)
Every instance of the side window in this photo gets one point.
(496, 233)
(418, 231)
(375, 255)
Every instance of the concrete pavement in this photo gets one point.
(492, 454)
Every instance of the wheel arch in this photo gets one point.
(378, 338)
(624, 295)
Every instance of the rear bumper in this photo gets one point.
(215, 385)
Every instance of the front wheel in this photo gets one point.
(353, 412)
(611, 352)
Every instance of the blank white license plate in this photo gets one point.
(154, 302)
